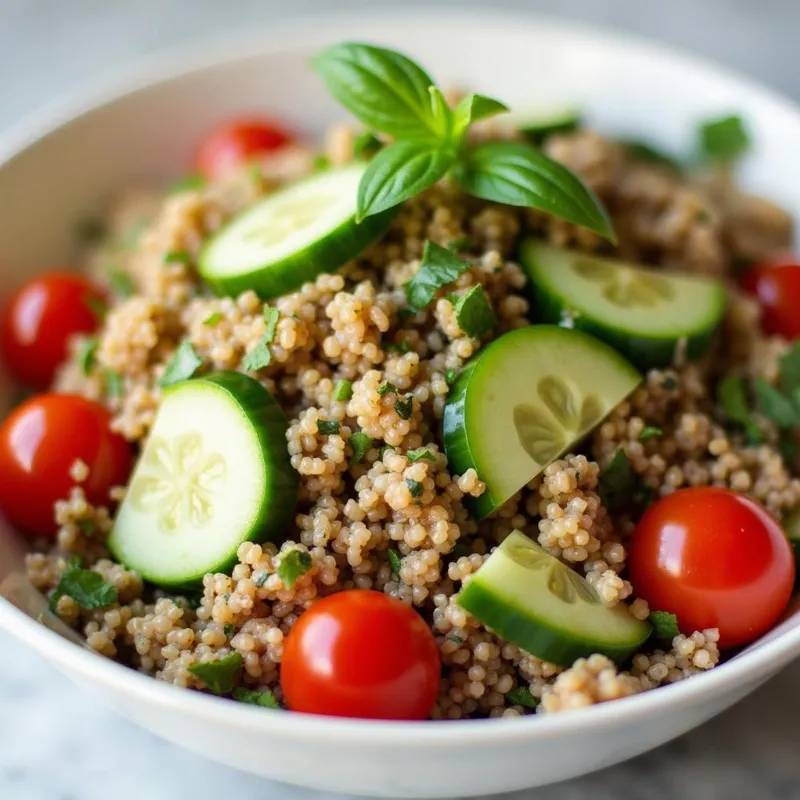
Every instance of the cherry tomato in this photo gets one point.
(776, 284)
(361, 654)
(715, 559)
(39, 443)
(39, 320)
(237, 142)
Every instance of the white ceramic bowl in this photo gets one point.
(60, 165)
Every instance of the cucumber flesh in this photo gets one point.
(647, 315)
(527, 399)
(215, 472)
(536, 602)
(291, 236)
(537, 125)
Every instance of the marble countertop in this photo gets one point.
(54, 745)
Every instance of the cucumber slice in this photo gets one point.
(525, 400)
(538, 125)
(645, 314)
(292, 236)
(539, 604)
(214, 473)
(791, 526)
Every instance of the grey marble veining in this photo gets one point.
(57, 744)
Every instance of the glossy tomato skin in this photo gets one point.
(39, 320)
(235, 143)
(361, 654)
(776, 284)
(715, 559)
(39, 443)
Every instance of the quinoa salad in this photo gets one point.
(455, 413)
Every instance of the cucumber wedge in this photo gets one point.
(292, 236)
(525, 400)
(214, 473)
(539, 604)
(537, 125)
(647, 315)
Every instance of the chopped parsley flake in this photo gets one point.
(392, 347)
(404, 407)
(438, 268)
(650, 432)
(253, 697)
(723, 139)
(343, 391)
(327, 427)
(87, 348)
(417, 455)
(521, 696)
(473, 313)
(113, 384)
(394, 561)
(88, 526)
(86, 587)
(121, 283)
(620, 485)
(260, 356)
(665, 625)
(415, 487)
(361, 443)
(228, 630)
(177, 257)
(386, 388)
(293, 565)
(183, 365)
(220, 676)
(262, 579)
(212, 319)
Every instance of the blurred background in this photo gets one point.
(54, 745)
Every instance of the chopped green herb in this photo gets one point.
(521, 696)
(415, 487)
(228, 629)
(87, 348)
(392, 347)
(343, 391)
(253, 697)
(450, 376)
(121, 283)
(212, 319)
(113, 384)
(620, 485)
(669, 383)
(404, 407)
(417, 455)
(88, 526)
(220, 676)
(91, 230)
(293, 565)
(650, 432)
(665, 625)
(644, 151)
(461, 243)
(190, 183)
(85, 586)
(394, 561)
(183, 365)
(723, 139)
(774, 405)
(327, 427)
(260, 356)
(454, 637)
(321, 163)
(474, 314)
(438, 268)
(177, 257)
(366, 144)
(387, 388)
(191, 600)
(361, 443)
(790, 372)
(96, 305)
(271, 317)
(262, 579)
(406, 313)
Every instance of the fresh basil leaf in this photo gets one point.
(644, 151)
(183, 365)
(417, 455)
(621, 487)
(438, 268)
(85, 586)
(415, 487)
(253, 697)
(327, 427)
(665, 625)
(394, 561)
(472, 108)
(386, 90)
(293, 565)
(400, 171)
(521, 696)
(404, 408)
(650, 432)
(474, 314)
(220, 676)
(518, 174)
(366, 144)
(121, 283)
(87, 348)
(723, 139)
(343, 391)
(361, 443)
(774, 405)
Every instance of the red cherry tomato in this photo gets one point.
(361, 654)
(39, 443)
(776, 284)
(39, 320)
(237, 142)
(715, 559)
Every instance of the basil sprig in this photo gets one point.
(391, 94)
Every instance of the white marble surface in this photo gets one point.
(55, 743)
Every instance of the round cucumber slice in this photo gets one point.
(646, 314)
(292, 236)
(214, 473)
(539, 604)
(525, 400)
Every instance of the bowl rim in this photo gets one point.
(302, 31)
